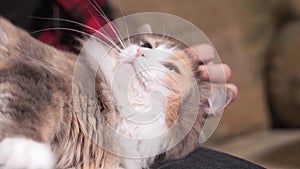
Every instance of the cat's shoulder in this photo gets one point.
(9, 33)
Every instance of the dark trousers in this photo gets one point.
(204, 158)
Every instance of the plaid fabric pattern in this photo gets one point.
(82, 11)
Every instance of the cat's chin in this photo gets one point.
(132, 73)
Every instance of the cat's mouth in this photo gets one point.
(143, 74)
(142, 71)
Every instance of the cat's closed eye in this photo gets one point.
(171, 67)
(146, 45)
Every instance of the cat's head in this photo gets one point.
(148, 63)
(155, 77)
(159, 61)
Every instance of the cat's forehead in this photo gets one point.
(156, 40)
(163, 48)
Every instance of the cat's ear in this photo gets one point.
(146, 28)
(220, 96)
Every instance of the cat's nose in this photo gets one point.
(140, 53)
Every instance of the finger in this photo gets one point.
(234, 89)
(202, 53)
(218, 73)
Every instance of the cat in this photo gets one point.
(50, 117)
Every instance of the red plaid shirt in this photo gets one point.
(83, 11)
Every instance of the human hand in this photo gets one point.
(216, 73)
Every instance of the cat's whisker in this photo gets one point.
(66, 20)
(99, 10)
(80, 24)
(125, 22)
(81, 32)
(104, 17)
(117, 35)
(95, 18)
(109, 23)
(103, 32)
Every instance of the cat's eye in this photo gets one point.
(171, 67)
(146, 45)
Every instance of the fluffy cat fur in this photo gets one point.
(37, 105)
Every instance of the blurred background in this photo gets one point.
(260, 40)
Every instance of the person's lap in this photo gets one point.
(204, 158)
